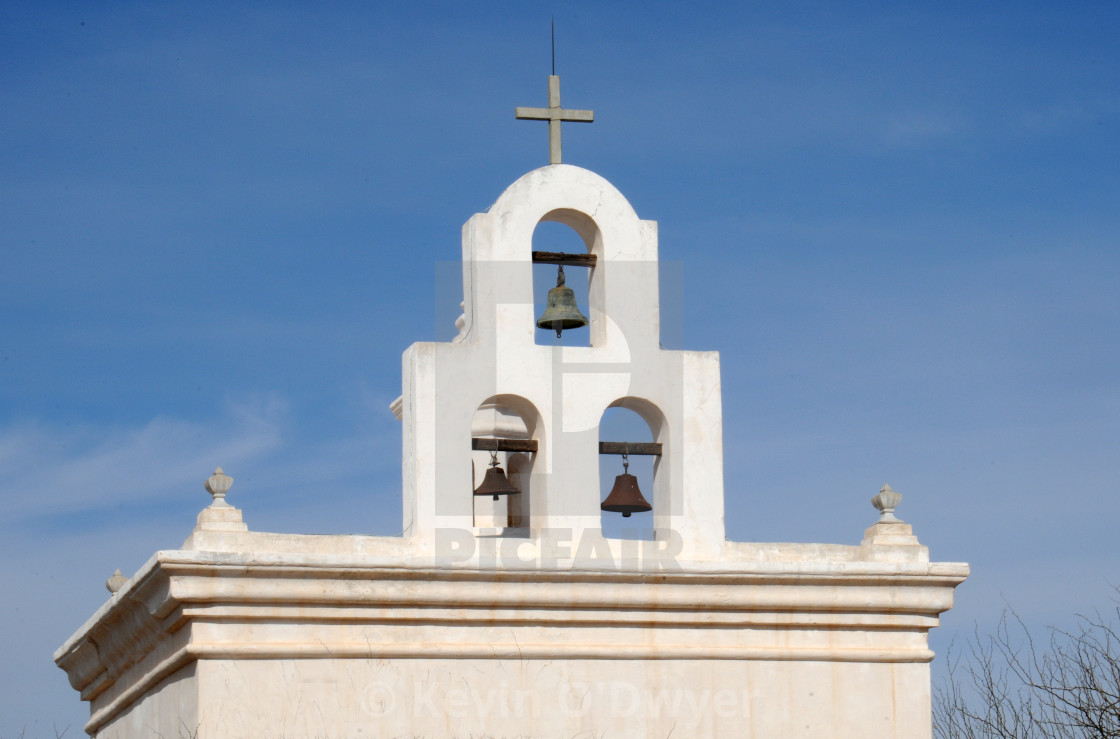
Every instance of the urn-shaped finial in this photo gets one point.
(218, 485)
(886, 501)
(116, 582)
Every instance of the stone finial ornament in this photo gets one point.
(116, 582)
(886, 501)
(219, 515)
(218, 485)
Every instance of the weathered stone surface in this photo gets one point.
(238, 633)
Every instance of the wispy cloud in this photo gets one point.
(915, 128)
(1063, 117)
(52, 470)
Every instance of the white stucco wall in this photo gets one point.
(562, 699)
(562, 391)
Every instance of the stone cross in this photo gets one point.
(554, 114)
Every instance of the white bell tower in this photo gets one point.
(495, 381)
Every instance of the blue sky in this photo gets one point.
(221, 224)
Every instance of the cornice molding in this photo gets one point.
(185, 606)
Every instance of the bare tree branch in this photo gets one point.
(1010, 688)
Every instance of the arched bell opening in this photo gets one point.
(638, 437)
(563, 291)
(503, 431)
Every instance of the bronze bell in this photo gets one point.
(625, 497)
(495, 483)
(561, 312)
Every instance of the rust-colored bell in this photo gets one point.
(495, 483)
(625, 497)
(561, 311)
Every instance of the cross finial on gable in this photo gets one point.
(554, 114)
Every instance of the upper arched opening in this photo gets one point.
(583, 224)
(580, 199)
(559, 235)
